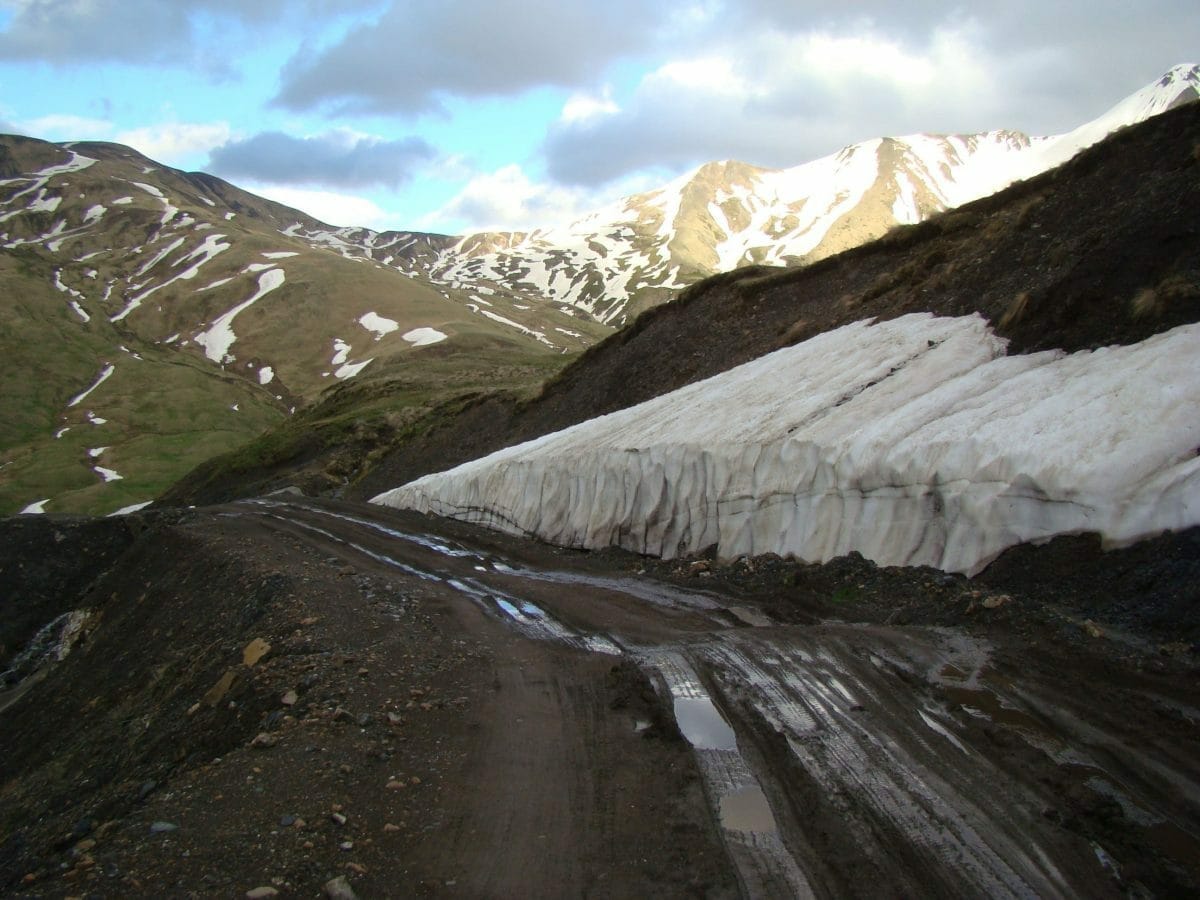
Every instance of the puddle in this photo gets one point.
(937, 726)
(659, 594)
(746, 809)
(750, 616)
(702, 725)
(988, 704)
(1174, 842)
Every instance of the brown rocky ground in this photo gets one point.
(389, 735)
(401, 736)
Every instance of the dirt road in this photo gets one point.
(496, 718)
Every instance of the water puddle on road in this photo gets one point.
(751, 617)
(747, 809)
(703, 725)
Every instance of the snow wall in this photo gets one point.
(915, 441)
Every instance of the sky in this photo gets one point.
(462, 115)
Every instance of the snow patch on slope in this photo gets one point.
(422, 337)
(217, 340)
(379, 325)
(914, 442)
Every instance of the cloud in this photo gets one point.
(507, 199)
(332, 208)
(201, 34)
(337, 158)
(416, 54)
(777, 83)
(174, 142)
(65, 127)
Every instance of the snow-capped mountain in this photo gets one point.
(633, 254)
(187, 315)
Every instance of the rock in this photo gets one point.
(338, 818)
(289, 698)
(356, 868)
(346, 846)
(263, 740)
(390, 828)
(339, 889)
(217, 692)
(395, 785)
(394, 718)
(287, 821)
(254, 651)
(340, 713)
(1092, 629)
(146, 789)
(261, 892)
(996, 601)
(163, 827)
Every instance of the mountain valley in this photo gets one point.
(264, 684)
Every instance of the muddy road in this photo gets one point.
(602, 733)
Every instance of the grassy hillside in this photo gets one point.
(208, 318)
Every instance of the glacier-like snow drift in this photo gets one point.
(915, 441)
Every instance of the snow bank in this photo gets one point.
(914, 441)
(104, 375)
(422, 337)
(217, 340)
(379, 325)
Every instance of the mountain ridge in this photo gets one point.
(142, 276)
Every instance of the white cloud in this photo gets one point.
(327, 206)
(779, 98)
(174, 142)
(507, 199)
(60, 127)
(582, 107)
(339, 158)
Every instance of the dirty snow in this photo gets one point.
(914, 442)
(421, 337)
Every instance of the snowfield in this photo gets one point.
(914, 442)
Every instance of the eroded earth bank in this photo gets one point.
(280, 693)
